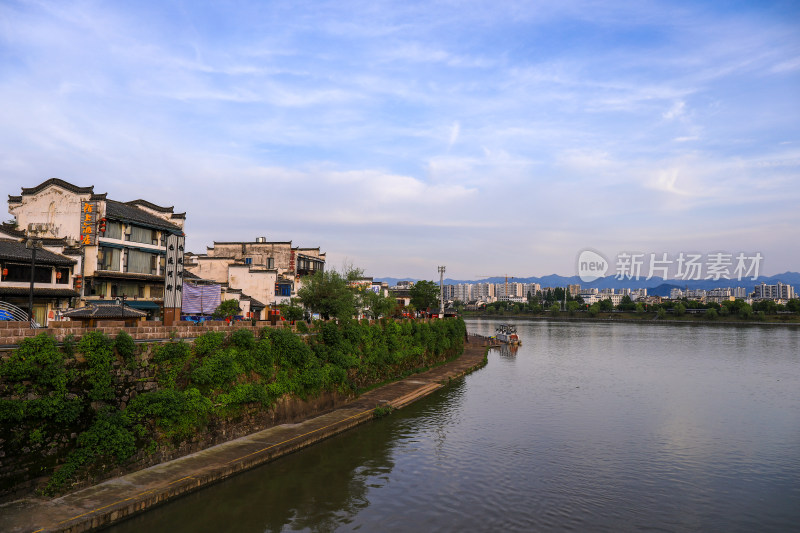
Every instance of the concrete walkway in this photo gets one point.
(120, 497)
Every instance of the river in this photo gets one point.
(586, 427)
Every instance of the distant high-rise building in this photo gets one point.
(779, 291)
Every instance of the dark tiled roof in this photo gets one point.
(41, 293)
(126, 275)
(248, 242)
(130, 213)
(254, 304)
(10, 229)
(151, 205)
(61, 183)
(109, 310)
(16, 251)
(14, 199)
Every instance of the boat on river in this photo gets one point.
(507, 333)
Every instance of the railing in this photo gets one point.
(16, 313)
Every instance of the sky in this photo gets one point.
(490, 137)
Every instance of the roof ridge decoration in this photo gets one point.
(132, 213)
(151, 205)
(60, 183)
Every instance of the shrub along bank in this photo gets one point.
(77, 412)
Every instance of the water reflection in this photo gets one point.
(599, 426)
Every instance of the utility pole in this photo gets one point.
(441, 292)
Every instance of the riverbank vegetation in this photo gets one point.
(49, 391)
(669, 310)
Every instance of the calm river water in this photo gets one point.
(587, 427)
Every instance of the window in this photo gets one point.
(128, 290)
(113, 230)
(248, 260)
(42, 274)
(270, 262)
(156, 291)
(62, 276)
(141, 262)
(108, 258)
(143, 235)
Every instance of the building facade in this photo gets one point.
(266, 271)
(121, 246)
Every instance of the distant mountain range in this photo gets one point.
(655, 285)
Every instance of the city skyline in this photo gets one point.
(400, 137)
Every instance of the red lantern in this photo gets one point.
(5, 272)
(58, 275)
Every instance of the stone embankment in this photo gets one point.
(118, 498)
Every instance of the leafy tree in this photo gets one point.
(626, 304)
(330, 294)
(606, 306)
(679, 310)
(572, 307)
(711, 314)
(377, 304)
(768, 307)
(745, 311)
(227, 309)
(292, 311)
(662, 313)
(424, 294)
(555, 309)
(639, 308)
(593, 310)
(793, 305)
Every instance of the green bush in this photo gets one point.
(98, 349)
(125, 346)
(208, 343)
(217, 370)
(178, 414)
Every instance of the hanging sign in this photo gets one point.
(88, 223)
(173, 273)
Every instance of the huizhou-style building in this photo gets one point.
(122, 245)
(269, 272)
(53, 279)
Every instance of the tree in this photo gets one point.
(626, 304)
(292, 311)
(329, 293)
(593, 310)
(639, 308)
(226, 310)
(679, 310)
(745, 311)
(377, 304)
(793, 305)
(606, 305)
(711, 314)
(554, 309)
(424, 294)
(662, 313)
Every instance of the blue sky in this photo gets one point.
(491, 137)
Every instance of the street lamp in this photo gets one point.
(121, 301)
(33, 243)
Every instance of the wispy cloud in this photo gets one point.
(428, 124)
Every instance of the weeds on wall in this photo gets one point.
(217, 377)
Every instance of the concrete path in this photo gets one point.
(117, 498)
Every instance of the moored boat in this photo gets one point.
(507, 333)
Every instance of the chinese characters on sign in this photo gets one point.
(173, 273)
(688, 266)
(88, 223)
